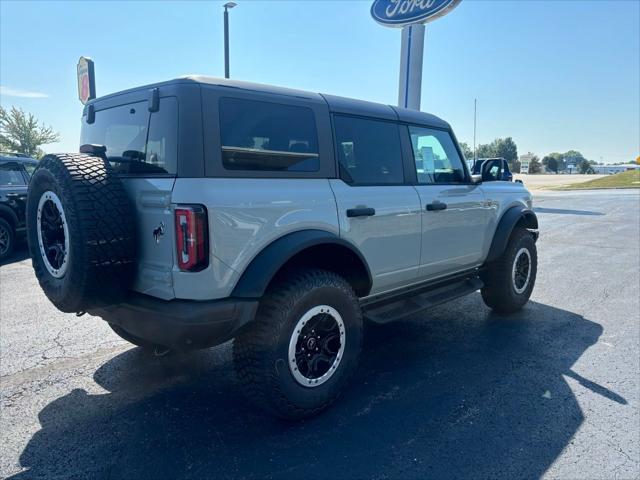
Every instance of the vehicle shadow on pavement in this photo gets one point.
(457, 392)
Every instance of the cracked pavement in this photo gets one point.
(455, 392)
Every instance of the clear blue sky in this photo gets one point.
(554, 75)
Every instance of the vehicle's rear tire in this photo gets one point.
(509, 281)
(298, 354)
(80, 229)
(139, 342)
(7, 239)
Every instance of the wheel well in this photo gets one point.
(528, 220)
(513, 218)
(332, 257)
(8, 218)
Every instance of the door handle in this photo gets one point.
(361, 212)
(436, 206)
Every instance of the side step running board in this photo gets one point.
(410, 305)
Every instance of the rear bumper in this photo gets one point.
(180, 324)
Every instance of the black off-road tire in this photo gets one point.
(101, 230)
(500, 291)
(261, 351)
(9, 237)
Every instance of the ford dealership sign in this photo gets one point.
(398, 13)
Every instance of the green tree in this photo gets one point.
(551, 163)
(501, 147)
(507, 149)
(534, 165)
(486, 150)
(20, 132)
(466, 151)
(573, 157)
(584, 166)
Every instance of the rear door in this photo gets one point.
(378, 211)
(454, 213)
(142, 147)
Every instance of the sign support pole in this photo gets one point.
(411, 55)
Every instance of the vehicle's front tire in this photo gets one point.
(7, 239)
(298, 354)
(509, 281)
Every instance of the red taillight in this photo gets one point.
(191, 237)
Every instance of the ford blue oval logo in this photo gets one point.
(398, 13)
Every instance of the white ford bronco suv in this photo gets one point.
(200, 210)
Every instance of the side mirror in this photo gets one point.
(133, 155)
(94, 149)
(485, 171)
(476, 179)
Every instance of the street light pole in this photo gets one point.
(227, 6)
(475, 116)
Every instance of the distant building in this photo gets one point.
(611, 169)
(525, 160)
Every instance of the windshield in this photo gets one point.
(137, 142)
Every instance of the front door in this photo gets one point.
(377, 210)
(454, 213)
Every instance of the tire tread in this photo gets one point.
(252, 348)
(497, 292)
(103, 230)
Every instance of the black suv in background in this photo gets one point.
(15, 172)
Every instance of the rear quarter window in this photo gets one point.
(268, 136)
(137, 142)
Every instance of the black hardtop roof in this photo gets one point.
(336, 104)
(16, 157)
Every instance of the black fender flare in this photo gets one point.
(256, 277)
(513, 216)
(8, 214)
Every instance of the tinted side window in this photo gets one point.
(368, 151)
(268, 136)
(11, 174)
(436, 157)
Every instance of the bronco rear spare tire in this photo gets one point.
(80, 229)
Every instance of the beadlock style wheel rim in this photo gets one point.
(317, 346)
(53, 234)
(521, 270)
(5, 240)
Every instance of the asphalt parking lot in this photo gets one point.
(456, 392)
